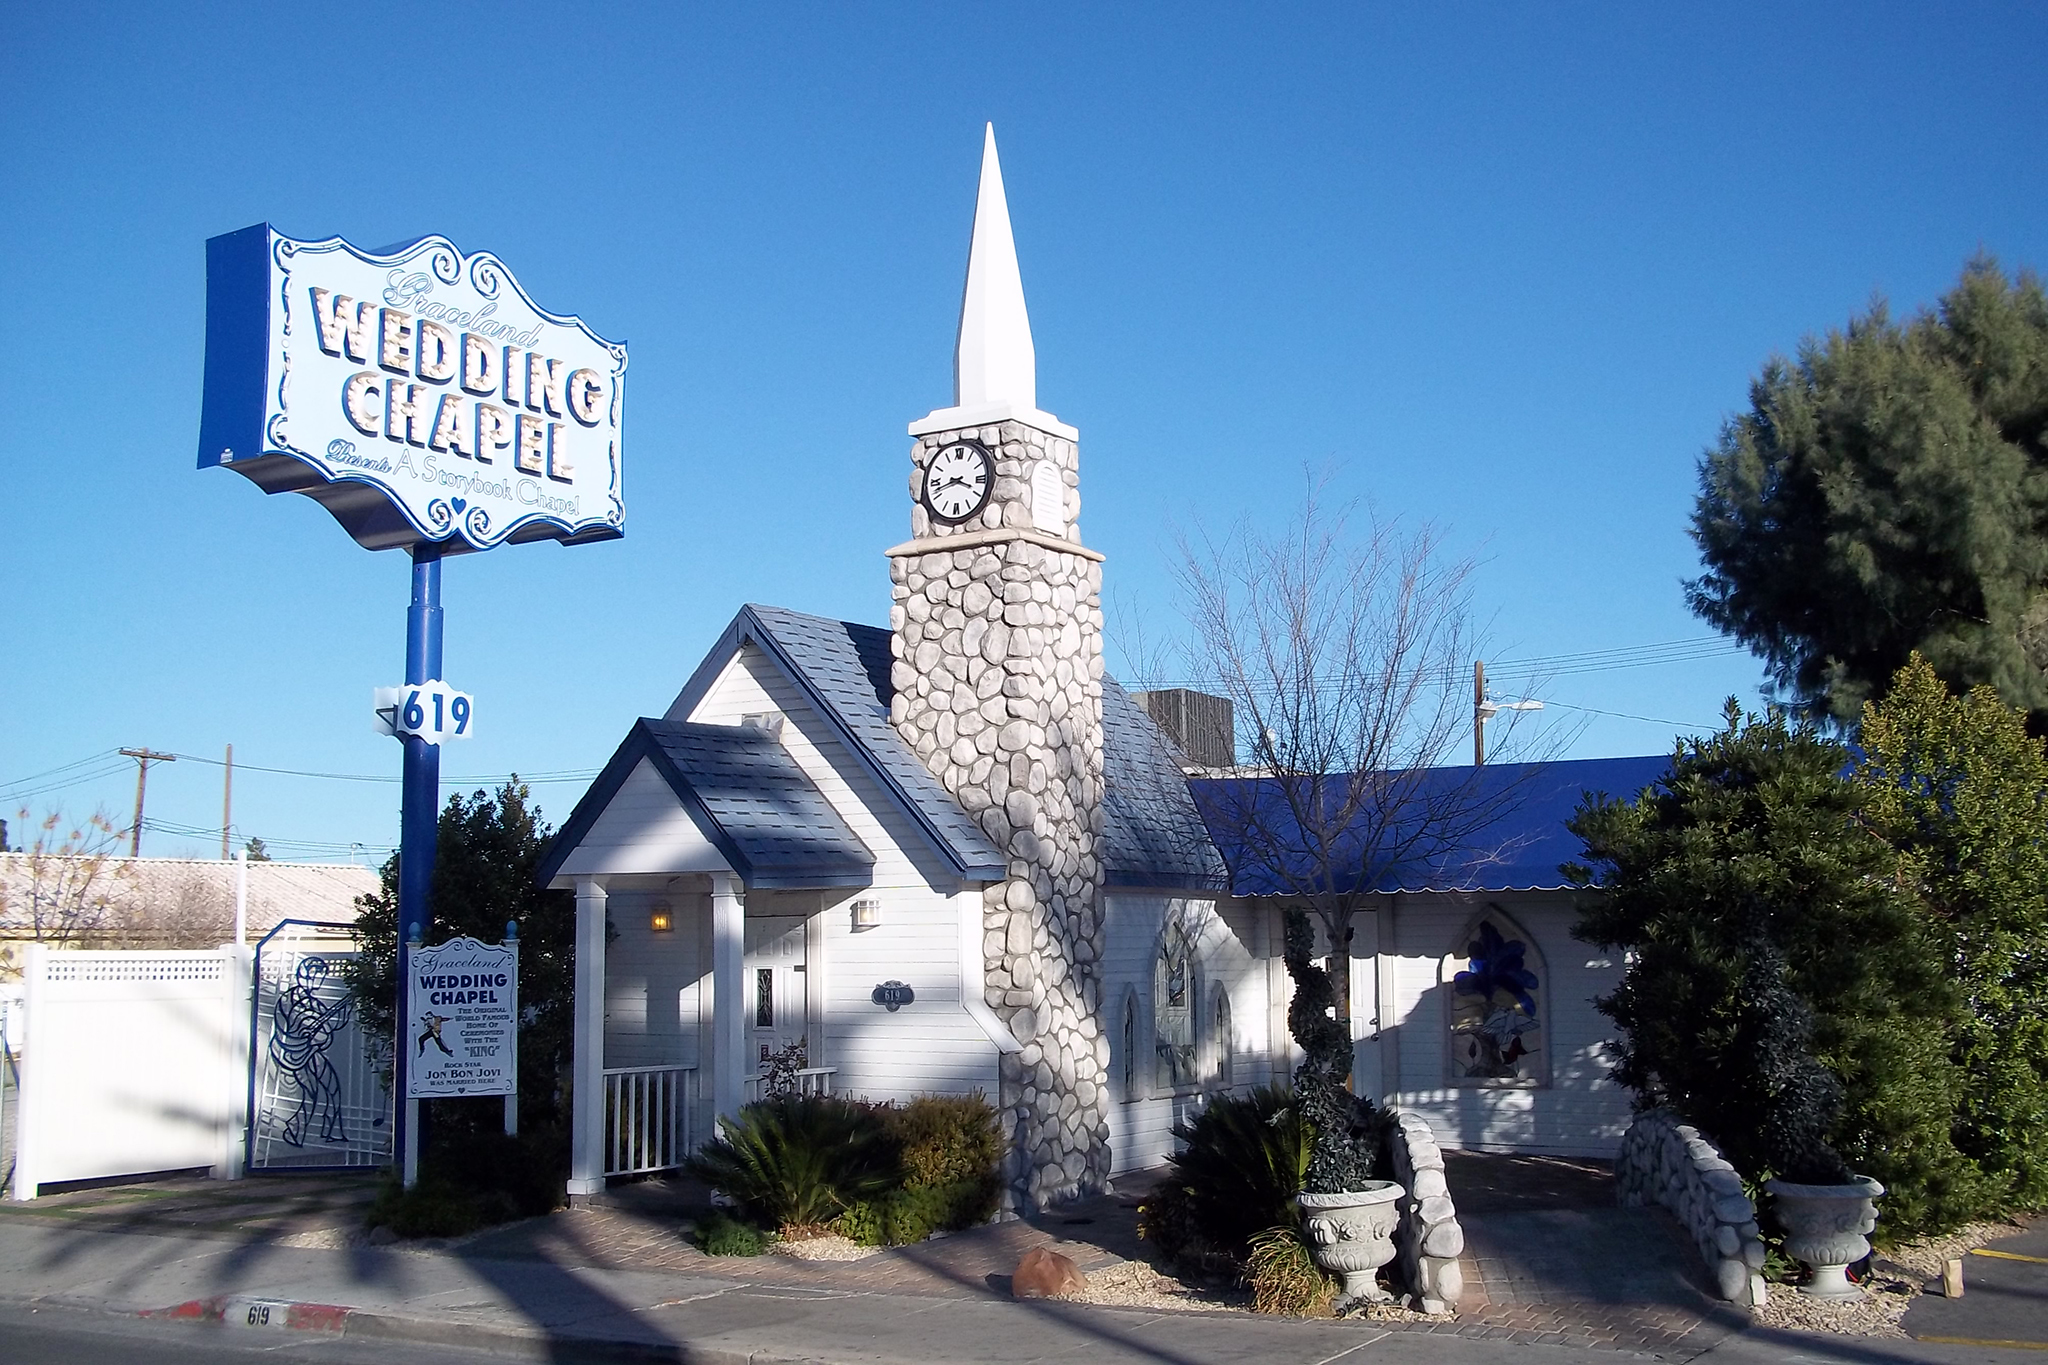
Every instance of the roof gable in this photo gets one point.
(842, 669)
(746, 797)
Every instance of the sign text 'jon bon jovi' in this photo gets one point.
(417, 393)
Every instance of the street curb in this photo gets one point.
(244, 1312)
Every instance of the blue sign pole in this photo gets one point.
(419, 823)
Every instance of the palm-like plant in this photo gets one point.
(1242, 1162)
(798, 1161)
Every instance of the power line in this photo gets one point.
(479, 780)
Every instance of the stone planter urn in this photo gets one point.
(1825, 1227)
(1352, 1235)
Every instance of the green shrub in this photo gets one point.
(1959, 789)
(912, 1214)
(1285, 1277)
(472, 1177)
(722, 1235)
(434, 1207)
(1748, 890)
(1241, 1163)
(1166, 1221)
(862, 1222)
(799, 1160)
(946, 1139)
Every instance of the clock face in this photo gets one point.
(958, 481)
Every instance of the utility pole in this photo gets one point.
(1484, 711)
(227, 804)
(143, 758)
(1478, 713)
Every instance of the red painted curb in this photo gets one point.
(248, 1310)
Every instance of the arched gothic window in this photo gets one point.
(1130, 1046)
(1173, 1010)
(1495, 995)
(1225, 1040)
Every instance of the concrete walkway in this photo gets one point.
(552, 1289)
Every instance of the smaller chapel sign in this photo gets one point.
(462, 1012)
(417, 393)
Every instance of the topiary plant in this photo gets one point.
(1344, 1127)
(1241, 1162)
(799, 1160)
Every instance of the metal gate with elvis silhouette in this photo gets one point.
(319, 1095)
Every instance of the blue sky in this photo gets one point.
(1508, 267)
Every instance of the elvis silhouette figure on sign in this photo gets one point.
(430, 1025)
(306, 1025)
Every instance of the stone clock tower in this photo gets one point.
(997, 638)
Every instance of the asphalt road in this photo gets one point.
(2005, 1298)
(55, 1336)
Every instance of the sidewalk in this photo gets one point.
(621, 1279)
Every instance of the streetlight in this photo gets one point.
(1484, 711)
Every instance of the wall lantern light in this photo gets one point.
(867, 914)
(661, 918)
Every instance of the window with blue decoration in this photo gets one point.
(1494, 990)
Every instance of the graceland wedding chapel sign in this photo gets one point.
(418, 393)
(431, 406)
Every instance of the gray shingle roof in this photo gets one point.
(1153, 833)
(780, 824)
(767, 819)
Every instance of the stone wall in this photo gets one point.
(1663, 1161)
(998, 688)
(1429, 1240)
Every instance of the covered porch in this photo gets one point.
(703, 861)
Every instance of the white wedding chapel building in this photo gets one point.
(951, 855)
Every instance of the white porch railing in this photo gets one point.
(811, 1080)
(647, 1117)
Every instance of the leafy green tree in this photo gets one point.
(1886, 492)
(490, 847)
(1960, 790)
(1766, 934)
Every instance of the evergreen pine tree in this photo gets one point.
(1886, 492)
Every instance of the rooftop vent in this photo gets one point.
(1202, 727)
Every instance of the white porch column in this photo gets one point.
(586, 1138)
(728, 996)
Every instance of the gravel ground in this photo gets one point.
(830, 1248)
(1896, 1275)
(1133, 1284)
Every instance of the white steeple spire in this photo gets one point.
(995, 368)
(993, 360)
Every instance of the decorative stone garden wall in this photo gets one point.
(1663, 1161)
(1429, 1240)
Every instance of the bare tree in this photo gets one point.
(1345, 645)
(64, 888)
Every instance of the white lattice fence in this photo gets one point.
(136, 1062)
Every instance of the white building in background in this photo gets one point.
(952, 856)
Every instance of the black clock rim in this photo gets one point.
(981, 503)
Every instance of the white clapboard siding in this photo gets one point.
(653, 981)
(931, 1045)
(642, 829)
(1581, 1111)
(1142, 1115)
